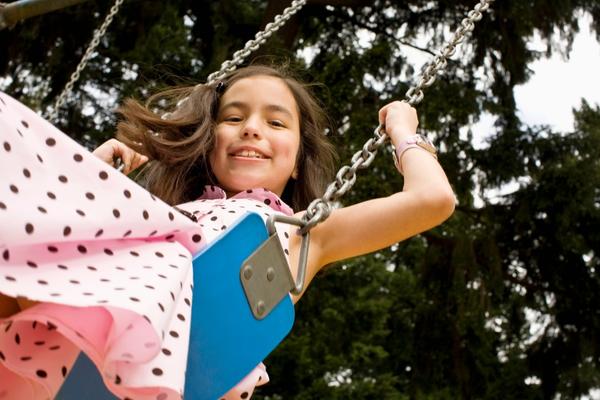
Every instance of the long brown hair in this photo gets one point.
(179, 145)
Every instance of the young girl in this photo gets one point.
(251, 142)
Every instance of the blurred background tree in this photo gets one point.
(502, 301)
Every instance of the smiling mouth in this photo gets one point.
(249, 154)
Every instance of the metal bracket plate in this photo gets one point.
(266, 277)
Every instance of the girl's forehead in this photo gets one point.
(260, 85)
(260, 89)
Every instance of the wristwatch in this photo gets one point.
(417, 141)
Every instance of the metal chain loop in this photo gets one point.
(251, 46)
(52, 114)
(259, 39)
(320, 209)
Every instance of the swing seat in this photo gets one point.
(226, 340)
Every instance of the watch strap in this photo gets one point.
(414, 141)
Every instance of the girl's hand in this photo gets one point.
(112, 149)
(400, 120)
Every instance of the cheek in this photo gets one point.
(290, 146)
(289, 153)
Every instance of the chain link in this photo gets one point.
(320, 209)
(52, 113)
(259, 39)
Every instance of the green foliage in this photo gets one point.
(499, 302)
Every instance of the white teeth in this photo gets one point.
(249, 154)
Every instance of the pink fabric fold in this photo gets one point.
(109, 264)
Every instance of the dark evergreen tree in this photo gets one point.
(448, 314)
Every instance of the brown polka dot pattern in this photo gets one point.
(105, 259)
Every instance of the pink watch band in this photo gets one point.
(415, 141)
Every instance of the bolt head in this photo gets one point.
(260, 307)
(248, 271)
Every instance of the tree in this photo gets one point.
(447, 314)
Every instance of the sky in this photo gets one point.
(558, 85)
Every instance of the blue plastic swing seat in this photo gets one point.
(226, 340)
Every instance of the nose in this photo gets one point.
(251, 129)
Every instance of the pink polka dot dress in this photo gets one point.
(109, 264)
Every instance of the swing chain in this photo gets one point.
(99, 33)
(252, 45)
(320, 209)
(259, 39)
(414, 95)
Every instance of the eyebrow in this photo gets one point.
(269, 107)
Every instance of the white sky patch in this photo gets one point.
(533, 380)
(481, 130)
(474, 284)
(365, 38)
(558, 85)
(308, 53)
(5, 81)
(538, 323)
(594, 394)
(370, 81)
(339, 378)
(129, 72)
(188, 21)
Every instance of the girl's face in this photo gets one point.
(257, 136)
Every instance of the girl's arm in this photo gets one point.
(425, 201)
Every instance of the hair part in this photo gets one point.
(179, 146)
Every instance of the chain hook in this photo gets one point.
(303, 256)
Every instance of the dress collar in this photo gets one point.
(265, 196)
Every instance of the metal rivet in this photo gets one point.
(260, 307)
(248, 272)
(270, 274)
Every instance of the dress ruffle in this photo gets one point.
(108, 263)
